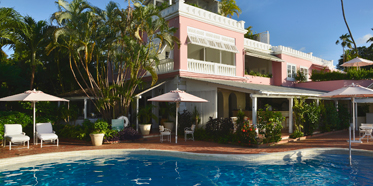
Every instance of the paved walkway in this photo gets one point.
(335, 139)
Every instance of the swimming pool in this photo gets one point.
(147, 168)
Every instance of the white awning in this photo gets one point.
(211, 43)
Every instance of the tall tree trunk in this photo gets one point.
(33, 69)
(349, 31)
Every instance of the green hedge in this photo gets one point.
(351, 74)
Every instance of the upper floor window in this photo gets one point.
(304, 70)
(292, 71)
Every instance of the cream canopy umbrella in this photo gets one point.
(33, 96)
(352, 91)
(177, 96)
(357, 62)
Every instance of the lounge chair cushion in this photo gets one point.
(47, 136)
(17, 138)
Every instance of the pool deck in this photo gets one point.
(336, 139)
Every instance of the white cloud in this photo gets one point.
(364, 39)
(302, 49)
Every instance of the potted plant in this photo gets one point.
(97, 135)
(145, 116)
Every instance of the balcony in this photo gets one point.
(211, 68)
(181, 8)
(166, 65)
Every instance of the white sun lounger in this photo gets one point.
(45, 132)
(13, 133)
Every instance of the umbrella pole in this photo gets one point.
(177, 113)
(353, 121)
(34, 103)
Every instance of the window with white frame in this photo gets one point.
(304, 70)
(292, 71)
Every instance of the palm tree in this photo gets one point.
(229, 8)
(10, 20)
(345, 41)
(97, 37)
(30, 39)
(349, 31)
(370, 40)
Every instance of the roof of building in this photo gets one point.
(263, 89)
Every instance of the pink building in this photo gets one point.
(214, 62)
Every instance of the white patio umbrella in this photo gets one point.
(352, 91)
(33, 96)
(357, 62)
(177, 96)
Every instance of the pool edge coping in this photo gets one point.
(63, 157)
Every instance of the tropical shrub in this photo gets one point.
(184, 120)
(300, 76)
(269, 125)
(247, 135)
(312, 118)
(71, 131)
(219, 129)
(100, 126)
(329, 117)
(111, 135)
(129, 133)
(299, 110)
(344, 116)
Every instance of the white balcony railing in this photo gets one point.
(297, 53)
(256, 45)
(211, 68)
(164, 67)
(203, 15)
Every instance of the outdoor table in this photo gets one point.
(368, 132)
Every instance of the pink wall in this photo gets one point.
(183, 35)
(332, 85)
(259, 80)
(298, 62)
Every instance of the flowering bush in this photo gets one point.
(247, 135)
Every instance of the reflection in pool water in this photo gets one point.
(163, 170)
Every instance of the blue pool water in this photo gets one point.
(163, 170)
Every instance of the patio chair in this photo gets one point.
(362, 131)
(13, 133)
(44, 132)
(189, 130)
(165, 132)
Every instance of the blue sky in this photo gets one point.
(308, 26)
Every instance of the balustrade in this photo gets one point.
(211, 68)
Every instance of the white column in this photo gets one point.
(254, 101)
(356, 127)
(170, 2)
(290, 115)
(85, 108)
(317, 102)
(336, 104)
